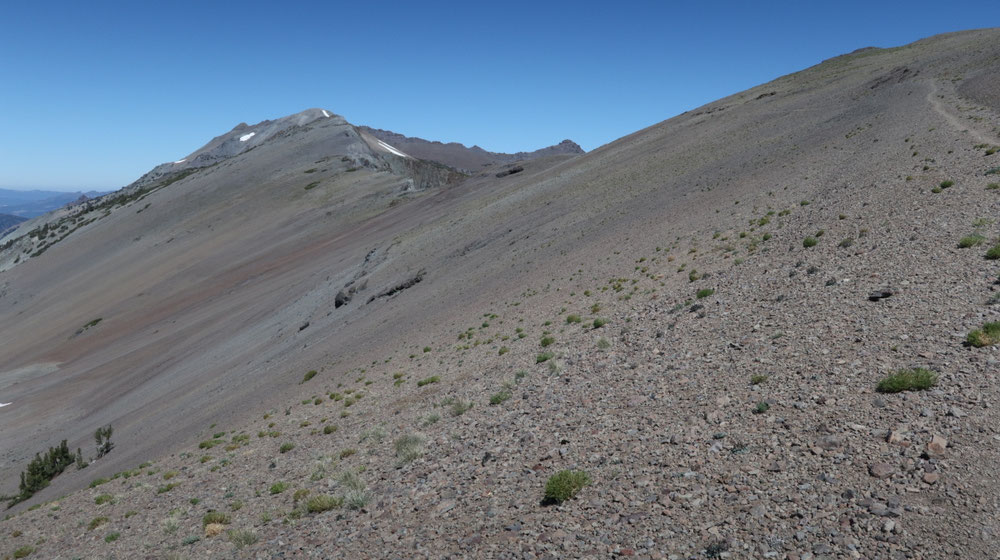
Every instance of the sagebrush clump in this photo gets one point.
(565, 485)
(915, 379)
(988, 335)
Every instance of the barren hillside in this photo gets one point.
(696, 316)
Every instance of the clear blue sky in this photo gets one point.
(93, 94)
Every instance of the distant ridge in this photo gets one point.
(28, 204)
(470, 160)
(8, 221)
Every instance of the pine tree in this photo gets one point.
(41, 470)
(81, 463)
(103, 438)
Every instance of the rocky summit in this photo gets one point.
(768, 327)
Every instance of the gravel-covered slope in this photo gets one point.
(744, 423)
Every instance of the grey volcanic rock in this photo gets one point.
(469, 160)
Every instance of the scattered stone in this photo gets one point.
(881, 470)
(341, 299)
(831, 442)
(446, 506)
(880, 294)
(937, 446)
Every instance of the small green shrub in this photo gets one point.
(347, 453)
(96, 522)
(215, 517)
(112, 537)
(946, 184)
(329, 429)
(278, 487)
(429, 380)
(409, 448)
(357, 495)
(704, 293)
(376, 434)
(286, 447)
(460, 407)
(103, 499)
(603, 343)
(598, 322)
(988, 335)
(167, 487)
(994, 253)
(847, 242)
(503, 350)
(242, 537)
(544, 357)
(809, 241)
(323, 502)
(758, 379)
(309, 375)
(546, 341)
(573, 319)
(916, 379)
(23, 552)
(993, 187)
(169, 525)
(565, 485)
(971, 241)
(209, 443)
(502, 396)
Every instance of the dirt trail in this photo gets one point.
(954, 121)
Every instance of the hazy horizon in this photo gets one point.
(60, 189)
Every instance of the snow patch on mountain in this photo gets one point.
(391, 149)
